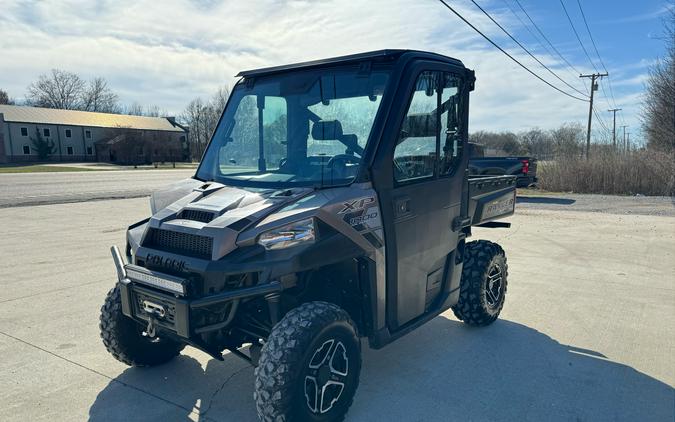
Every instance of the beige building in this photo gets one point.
(87, 136)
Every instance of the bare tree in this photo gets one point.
(219, 99)
(202, 118)
(135, 109)
(57, 89)
(658, 108)
(568, 140)
(97, 96)
(154, 111)
(4, 98)
(195, 116)
(499, 143)
(537, 142)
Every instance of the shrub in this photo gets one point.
(645, 172)
(43, 147)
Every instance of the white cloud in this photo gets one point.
(168, 52)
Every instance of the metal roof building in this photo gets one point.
(74, 133)
(52, 116)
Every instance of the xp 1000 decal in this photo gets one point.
(362, 214)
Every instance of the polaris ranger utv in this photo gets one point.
(333, 203)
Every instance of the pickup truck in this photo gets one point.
(524, 168)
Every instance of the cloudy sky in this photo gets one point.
(166, 53)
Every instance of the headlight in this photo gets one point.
(290, 235)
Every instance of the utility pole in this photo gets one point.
(594, 87)
(614, 127)
(628, 142)
(624, 136)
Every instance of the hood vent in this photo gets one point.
(197, 215)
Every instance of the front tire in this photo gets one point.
(123, 337)
(483, 285)
(309, 367)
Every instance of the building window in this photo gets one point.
(46, 132)
(69, 133)
(69, 150)
(87, 134)
(26, 150)
(24, 131)
(90, 151)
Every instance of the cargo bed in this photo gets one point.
(491, 198)
(486, 199)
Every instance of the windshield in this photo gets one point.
(305, 128)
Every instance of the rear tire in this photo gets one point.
(309, 367)
(123, 337)
(483, 285)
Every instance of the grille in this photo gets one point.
(197, 215)
(180, 243)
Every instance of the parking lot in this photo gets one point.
(587, 333)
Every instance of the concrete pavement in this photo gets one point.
(23, 189)
(587, 332)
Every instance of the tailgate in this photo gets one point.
(491, 198)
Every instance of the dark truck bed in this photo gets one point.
(524, 168)
(487, 199)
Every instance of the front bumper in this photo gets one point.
(159, 299)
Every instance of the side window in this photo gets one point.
(452, 145)
(415, 153)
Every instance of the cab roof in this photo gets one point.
(378, 55)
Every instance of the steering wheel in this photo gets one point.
(343, 157)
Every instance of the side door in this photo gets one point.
(428, 161)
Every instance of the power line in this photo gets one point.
(539, 41)
(507, 54)
(597, 53)
(523, 47)
(546, 38)
(595, 47)
(569, 19)
(606, 129)
(522, 22)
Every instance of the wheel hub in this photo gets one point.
(326, 376)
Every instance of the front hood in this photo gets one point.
(215, 210)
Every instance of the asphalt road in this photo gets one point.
(587, 333)
(22, 189)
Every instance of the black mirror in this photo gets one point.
(327, 130)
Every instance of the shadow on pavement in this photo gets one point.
(544, 200)
(443, 371)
